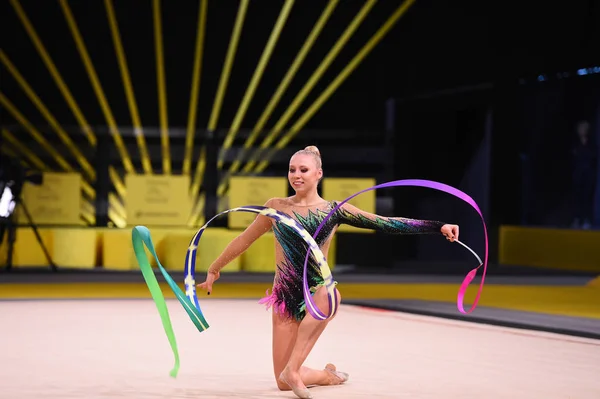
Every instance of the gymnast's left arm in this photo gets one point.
(353, 216)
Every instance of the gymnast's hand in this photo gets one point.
(450, 231)
(211, 277)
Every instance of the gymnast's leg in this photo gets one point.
(297, 349)
(285, 332)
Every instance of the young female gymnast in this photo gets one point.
(294, 335)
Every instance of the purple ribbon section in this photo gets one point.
(312, 307)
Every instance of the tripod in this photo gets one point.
(12, 235)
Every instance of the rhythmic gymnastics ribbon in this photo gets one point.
(189, 299)
(190, 259)
(140, 236)
(316, 312)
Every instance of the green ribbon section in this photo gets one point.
(140, 236)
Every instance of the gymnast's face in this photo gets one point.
(303, 174)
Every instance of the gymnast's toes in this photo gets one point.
(338, 377)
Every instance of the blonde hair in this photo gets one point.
(314, 152)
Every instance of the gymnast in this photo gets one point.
(294, 335)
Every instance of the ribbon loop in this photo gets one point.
(190, 260)
(315, 312)
(189, 299)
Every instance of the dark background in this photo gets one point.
(442, 74)
(435, 46)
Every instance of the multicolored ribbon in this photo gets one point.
(140, 236)
(190, 258)
(189, 299)
(316, 312)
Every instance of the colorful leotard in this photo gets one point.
(286, 296)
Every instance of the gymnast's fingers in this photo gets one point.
(207, 285)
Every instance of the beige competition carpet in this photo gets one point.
(118, 349)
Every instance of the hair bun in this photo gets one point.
(314, 149)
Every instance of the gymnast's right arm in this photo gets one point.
(236, 247)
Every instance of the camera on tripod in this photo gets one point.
(13, 176)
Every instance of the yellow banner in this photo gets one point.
(245, 190)
(158, 200)
(57, 201)
(338, 189)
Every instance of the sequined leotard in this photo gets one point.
(286, 296)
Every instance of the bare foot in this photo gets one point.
(294, 381)
(335, 377)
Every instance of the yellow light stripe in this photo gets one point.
(114, 176)
(38, 163)
(235, 36)
(375, 39)
(85, 165)
(117, 182)
(115, 205)
(83, 123)
(197, 217)
(191, 128)
(116, 211)
(88, 213)
(162, 96)
(116, 218)
(87, 218)
(312, 81)
(88, 207)
(135, 117)
(87, 188)
(39, 137)
(200, 202)
(256, 77)
(212, 124)
(316, 30)
(54, 72)
(116, 208)
(11, 154)
(9, 151)
(53, 122)
(123, 153)
(34, 159)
